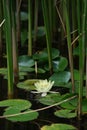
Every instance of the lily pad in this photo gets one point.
(65, 113)
(43, 55)
(59, 126)
(70, 105)
(3, 71)
(60, 65)
(26, 69)
(26, 61)
(17, 103)
(20, 118)
(50, 99)
(27, 84)
(60, 78)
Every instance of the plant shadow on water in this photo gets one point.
(46, 117)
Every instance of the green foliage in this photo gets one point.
(26, 61)
(70, 105)
(65, 113)
(43, 55)
(16, 103)
(77, 74)
(27, 84)
(60, 78)
(59, 126)
(20, 118)
(16, 106)
(3, 71)
(53, 98)
(60, 64)
(50, 99)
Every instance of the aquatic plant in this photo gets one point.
(43, 86)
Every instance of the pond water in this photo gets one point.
(46, 117)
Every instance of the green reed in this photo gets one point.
(81, 10)
(29, 27)
(35, 20)
(1, 28)
(14, 42)
(68, 33)
(47, 30)
(8, 36)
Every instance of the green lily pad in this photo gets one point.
(65, 113)
(26, 69)
(60, 65)
(27, 84)
(16, 106)
(26, 61)
(20, 118)
(50, 99)
(3, 71)
(70, 105)
(43, 55)
(59, 126)
(40, 70)
(17, 103)
(60, 78)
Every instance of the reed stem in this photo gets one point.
(69, 44)
(7, 15)
(29, 27)
(48, 34)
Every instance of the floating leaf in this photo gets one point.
(65, 113)
(26, 69)
(27, 84)
(43, 55)
(26, 61)
(40, 70)
(17, 103)
(3, 71)
(71, 105)
(60, 78)
(50, 99)
(20, 118)
(59, 126)
(63, 63)
(60, 64)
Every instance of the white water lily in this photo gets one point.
(43, 86)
